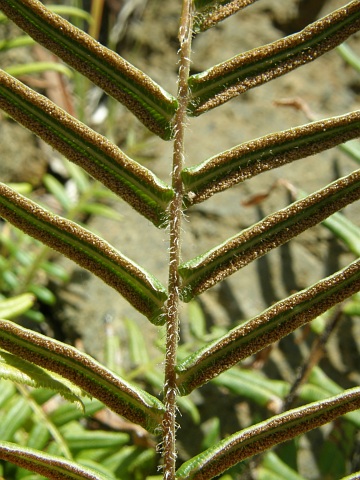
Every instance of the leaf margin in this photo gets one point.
(135, 284)
(127, 84)
(99, 157)
(269, 326)
(274, 150)
(211, 267)
(96, 380)
(255, 67)
(49, 465)
(257, 438)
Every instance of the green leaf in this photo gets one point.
(149, 102)
(40, 416)
(353, 476)
(100, 209)
(81, 369)
(14, 306)
(210, 12)
(64, 10)
(132, 462)
(7, 391)
(332, 461)
(197, 320)
(53, 270)
(35, 316)
(98, 467)
(212, 432)
(207, 269)
(94, 153)
(23, 187)
(71, 11)
(57, 189)
(345, 230)
(25, 373)
(321, 386)
(38, 67)
(352, 149)
(349, 56)
(38, 437)
(274, 323)
(277, 468)
(67, 412)
(43, 294)
(49, 466)
(254, 386)
(136, 344)
(353, 306)
(15, 417)
(80, 178)
(22, 41)
(86, 440)
(140, 288)
(266, 153)
(264, 435)
(222, 82)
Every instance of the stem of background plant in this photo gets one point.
(172, 308)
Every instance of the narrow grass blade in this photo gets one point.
(206, 270)
(7, 391)
(81, 369)
(271, 325)
(349, 56)
(140, 288)
(320, 386)
(25, 40)
(64, 10)
(14, 306)
(266, 153)
(149, 102)
(222, 82)
(72, 12)
(264, 435)
(352, 149)
(16, 42)
(94, 153)
(43, 428)
(38, 67)
(17, 415)
(345, 230)
(25, 373)
(273, 467)
(210, 12)
(255, 386)
(86, 440)
(50, 466)
(352, 476)
(66, 413)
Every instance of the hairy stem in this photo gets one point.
(172, 308)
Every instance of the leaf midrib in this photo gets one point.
(80, 144)
(200, 86)
(75, 49)
(90, 250)
(229, 168)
